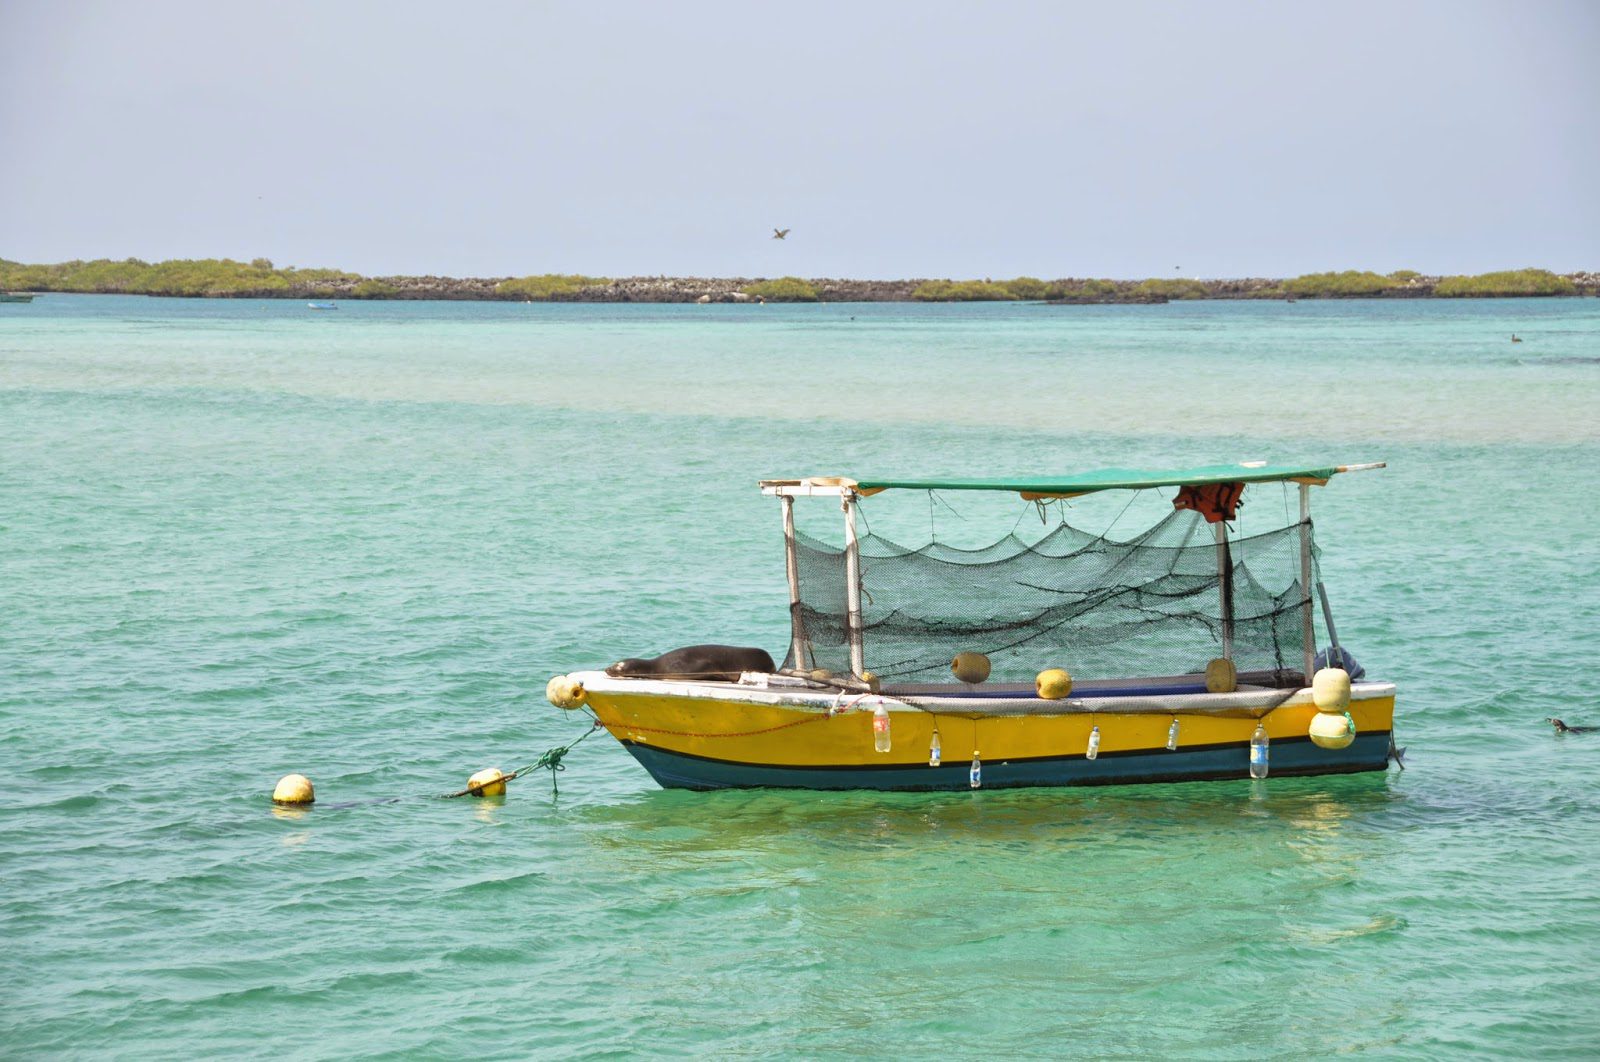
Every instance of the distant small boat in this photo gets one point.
(323, 305)
(6, 296)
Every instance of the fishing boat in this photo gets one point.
(15, 296)
(1185, 652)
(322, 306)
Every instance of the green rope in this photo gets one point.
(551, 761)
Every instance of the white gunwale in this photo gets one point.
(921, 697)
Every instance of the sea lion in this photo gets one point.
(711, 663)
(1563, 728)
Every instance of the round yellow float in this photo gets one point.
(971, 668)
(1330, 689)
(294, 789)
(489, 782)
(1332, 730)
(1054, 684)
(563, 692)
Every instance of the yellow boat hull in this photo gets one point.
(720, 735)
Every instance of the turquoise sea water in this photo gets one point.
(242, 538)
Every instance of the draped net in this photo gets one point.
(1151, 605)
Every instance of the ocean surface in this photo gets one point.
(239, 539)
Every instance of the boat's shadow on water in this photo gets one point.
(677, 822)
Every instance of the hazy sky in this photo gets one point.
(897, 140)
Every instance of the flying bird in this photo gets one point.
(779, 234)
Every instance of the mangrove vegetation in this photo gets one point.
(548, 286)
(784, 289)
(215, 277)
(1511, 282)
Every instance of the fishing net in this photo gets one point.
(1151, 605)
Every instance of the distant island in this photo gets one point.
(259, 278)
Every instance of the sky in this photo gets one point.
(896, 140)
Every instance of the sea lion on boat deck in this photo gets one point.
(711, 663)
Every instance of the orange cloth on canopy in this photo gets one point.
(1214, 501)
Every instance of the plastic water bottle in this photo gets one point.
(933, 751)
(975, 776)
(880, 728)
(1094, 744)
(1172, 735)
(1258, 752)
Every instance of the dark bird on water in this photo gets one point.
(1563, 728)
(1515, 338)
(779, 234)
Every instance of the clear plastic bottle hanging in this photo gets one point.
(880, 728)
(934, 755)
(975, 776)
(1172, 735)
(1258, 751)
(1094, 744)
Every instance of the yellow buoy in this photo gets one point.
(970, 667)
(294, 789)
(873, 682)
(1054, 684)
(1330, 689)
(1332, 730)
(564, 692)
(488, 782)
(1221, 676)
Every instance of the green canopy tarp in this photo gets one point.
(1115, 479)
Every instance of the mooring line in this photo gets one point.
(551, 760)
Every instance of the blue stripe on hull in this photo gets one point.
(1369, 752)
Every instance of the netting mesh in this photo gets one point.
(1151, 605)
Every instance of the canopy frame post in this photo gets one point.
(799, 647)
(1308, 626)
(1225, 587)
(852, 584)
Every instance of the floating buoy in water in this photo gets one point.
(489, 782)
(1332, 730)
(1221, 676)
(563, 692)
(1054, 684)
(294, 789)
(1330, 689)
(971, 668)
